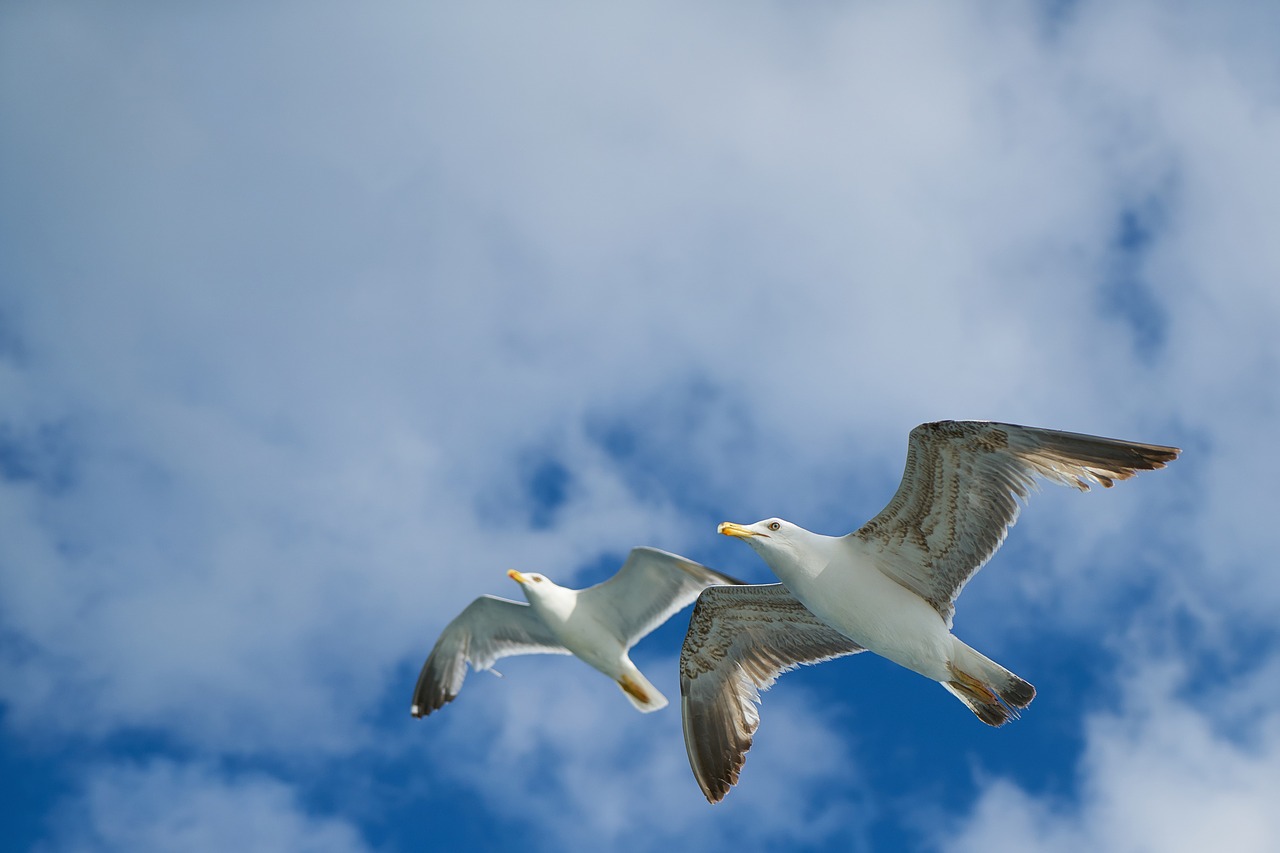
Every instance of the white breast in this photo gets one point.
(580, 631)
(845, 589)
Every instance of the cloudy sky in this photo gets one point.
(317, 318)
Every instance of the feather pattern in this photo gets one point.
(960, 495)
(740, 639)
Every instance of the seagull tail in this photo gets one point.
(642, 694)
(992, 692)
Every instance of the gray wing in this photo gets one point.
(651, 586)
(960, 490)
(489, 628)
(740, 639)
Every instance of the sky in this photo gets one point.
(317, 318)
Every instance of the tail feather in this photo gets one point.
(642, 694)
(992, 692)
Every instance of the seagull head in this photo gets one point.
(773, 538)
(533, 584)
(526, 578)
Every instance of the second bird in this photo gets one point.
(599, 625)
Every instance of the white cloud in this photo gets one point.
(554, 747)
(1164, 773)
(163, 806)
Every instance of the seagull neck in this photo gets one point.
(804, 557)
(554, 603)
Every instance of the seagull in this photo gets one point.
(598, 624)
(889, 587)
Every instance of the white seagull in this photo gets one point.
(889, 587)
(598, 624)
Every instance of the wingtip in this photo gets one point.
(716, 789)
(717, 578)
(427, 706)
(720, 788)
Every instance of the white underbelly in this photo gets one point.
(592, 643)
(880, 615)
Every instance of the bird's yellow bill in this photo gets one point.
(516, 576)
(728, 528)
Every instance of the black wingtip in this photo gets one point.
(425, 707)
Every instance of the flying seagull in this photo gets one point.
(598, 624)
(889, 587)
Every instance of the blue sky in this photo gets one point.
(314, 320)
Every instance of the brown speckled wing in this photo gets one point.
(960, 495)
(740, 639)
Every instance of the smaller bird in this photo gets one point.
(598, 624)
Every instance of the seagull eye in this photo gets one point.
(775, 525)
(537, 578)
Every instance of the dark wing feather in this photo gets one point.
(489, 628)
(740, 639)
(651, 586)
(960, 495)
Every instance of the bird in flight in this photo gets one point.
(599, 625)
(889, 587)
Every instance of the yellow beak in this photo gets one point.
(728, 528)
(516, 576)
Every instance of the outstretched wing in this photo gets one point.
(959, 496)
(651, 586)
(740, 639)
(489, 628)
